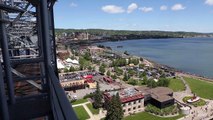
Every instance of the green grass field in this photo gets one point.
(79, 101)
(201, 88)
(148, 116)
(176, 84)
(81, 113)
(93, 110)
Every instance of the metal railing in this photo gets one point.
(61, 107)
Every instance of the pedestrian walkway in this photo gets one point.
(80, 104)
(187, 90)
(196, 113)
(92, 117)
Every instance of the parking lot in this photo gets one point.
(103, 86)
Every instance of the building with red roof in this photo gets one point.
(132, 100)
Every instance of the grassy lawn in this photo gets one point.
(93, 110)
(176, 85)
(148, 116)
(81, 113)
(201, 88)
(79, 101)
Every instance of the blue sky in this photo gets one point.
(167, 15)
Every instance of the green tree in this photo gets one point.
(163, 82)
(114, 76)
(141, 66)
(145, 80)
(89, 67)
(132, 81)
(87, 56)
(142, 75)
(126, 77)
(97, 97)
(108, 73)
(102, 69)
(151, 83)
(81, 67)
(119, 62)
(131, 72)
(72, 69)
(119, 107)
(118, 71)
(114, 109)
(83, 63)
(134, 61)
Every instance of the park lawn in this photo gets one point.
(148, 116)
(176, 85)
(81, 113)
(201, 88)
(93, 110)
(79, 101)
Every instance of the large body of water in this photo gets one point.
(193, 55)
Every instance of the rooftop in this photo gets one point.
(159, 93)
(126, 95)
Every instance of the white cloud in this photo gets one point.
(163, 7)
(177, 7)
(112, 9)
(132, 7)
(146, 9)
(209, 2)
(73, 4)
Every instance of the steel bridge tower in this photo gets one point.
(29, 86)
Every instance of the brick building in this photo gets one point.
(132, 100)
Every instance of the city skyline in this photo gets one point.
(175, 15)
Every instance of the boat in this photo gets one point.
(119, 46)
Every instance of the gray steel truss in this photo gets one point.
(29, 86)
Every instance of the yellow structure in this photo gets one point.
(71, 83)
(92, 85)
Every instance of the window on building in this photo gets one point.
(134, 102)
(139, 106)
(139, 101)
(124, 110)
(129, 103)
(133, 108)
(124, 104)
(129, 109)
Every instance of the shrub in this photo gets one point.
(164, 111)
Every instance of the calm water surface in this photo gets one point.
(194, 55)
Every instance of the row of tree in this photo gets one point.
(163, 82)
(131, 34)
(123, 62)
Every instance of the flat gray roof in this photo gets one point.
(159, 93)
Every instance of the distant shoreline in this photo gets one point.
(181, 72)
(79, 42)
(177, 71)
